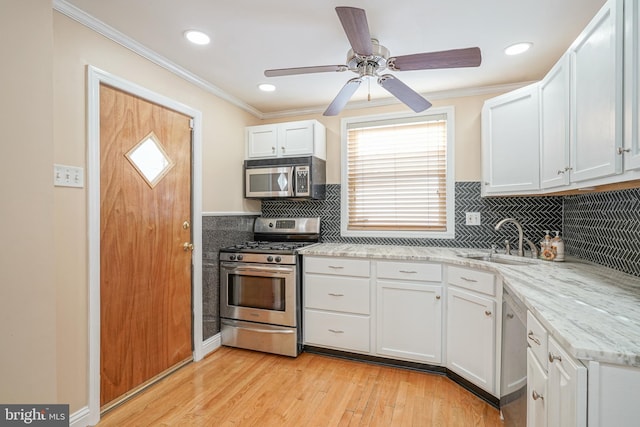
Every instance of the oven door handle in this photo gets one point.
(234, 268)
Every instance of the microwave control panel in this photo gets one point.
(302, 181)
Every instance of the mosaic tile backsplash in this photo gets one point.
(535, 213)
(605, 228)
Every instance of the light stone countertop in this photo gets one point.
(591, 310)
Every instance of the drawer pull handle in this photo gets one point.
(487, 313)
(535, 395)
(468, 280)
(509, 315)
(336, 331)
(336, 295)
(336, 267)
(553, 357)
(408, 271)
(533, 338)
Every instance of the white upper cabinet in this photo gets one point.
(632, 85)
(554, 126)
(596, 96)
(290, 139)
(510, 142)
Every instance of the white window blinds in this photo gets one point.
(397, 174)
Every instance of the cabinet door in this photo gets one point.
(511, 142)
(554, 126)
(409, 321)
(536, 392)
(262, 141)
(296, 139)
(471, 341)
(566, 388)
(632, 85)
(596, 96)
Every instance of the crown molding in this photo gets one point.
(111, 33)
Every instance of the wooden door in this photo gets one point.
(145, 270)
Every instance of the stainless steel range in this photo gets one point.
(260, 286)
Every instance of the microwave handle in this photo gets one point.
(292, 175)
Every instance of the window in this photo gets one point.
(397, 178)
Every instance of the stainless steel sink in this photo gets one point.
(500, 259)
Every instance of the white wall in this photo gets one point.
(28, 331)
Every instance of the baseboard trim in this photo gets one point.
(81, 418)
(211, 344)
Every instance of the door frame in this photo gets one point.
(95, 77)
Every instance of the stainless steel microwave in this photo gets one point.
(285, 177)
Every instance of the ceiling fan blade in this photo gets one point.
(404, 93)
(343, 97)
(354, 22)
(304, 70)
(469, 57)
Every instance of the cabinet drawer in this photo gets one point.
(336, 265)
(423, 272)
(474, 280)
(347, 294)
(344, 331)
(537, 339)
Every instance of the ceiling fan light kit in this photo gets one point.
(368, 58)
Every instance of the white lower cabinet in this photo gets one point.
(556, 383)
(337, 307)
(537, 397)
(409, 324)
(566, 388)
(471, 333)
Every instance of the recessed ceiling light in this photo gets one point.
(266, 87)
(518, 48)
(197, 37)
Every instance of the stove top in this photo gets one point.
(263, 247)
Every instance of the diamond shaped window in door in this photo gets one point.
(150, 160)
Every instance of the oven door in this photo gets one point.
(262, 293)
(268, 182)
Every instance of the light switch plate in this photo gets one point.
(473, 218)
(68, 176)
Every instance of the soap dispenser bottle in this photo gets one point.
(557, 245)
(546, 250)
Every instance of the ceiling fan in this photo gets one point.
(367, 58)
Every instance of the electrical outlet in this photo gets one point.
(473, 218)
(68, 176)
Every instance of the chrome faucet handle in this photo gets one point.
(532, 247)
(507, 247)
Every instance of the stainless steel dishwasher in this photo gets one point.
(513, 378)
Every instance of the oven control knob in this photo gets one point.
(239, 257)
(278, 259)
(232, 257)
(269, 258)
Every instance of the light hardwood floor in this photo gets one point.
(233, 387)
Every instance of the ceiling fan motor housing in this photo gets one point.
(371, 64)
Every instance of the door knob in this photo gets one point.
(187, 246)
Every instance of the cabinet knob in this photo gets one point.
(282, 149)
(621, 150)
(487, 312)
(273, 149)
(535, 395)
(437, 296)
(561, 172)
(553, 357)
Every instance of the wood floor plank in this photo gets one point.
(234, 387)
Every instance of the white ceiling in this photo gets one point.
(249, 36)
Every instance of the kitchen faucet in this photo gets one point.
(520, 233)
